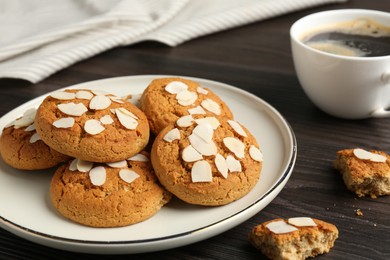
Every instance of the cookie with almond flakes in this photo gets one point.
(92, 126)
(22, 148)
(207, 161)
(108, 195)
(167, 99)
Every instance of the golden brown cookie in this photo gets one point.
(99, 195)
(364, 172)
(295, 238)
(22, 148)
(167, 99)
(92, 126)
(208, 162)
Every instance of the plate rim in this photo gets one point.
(57, 241)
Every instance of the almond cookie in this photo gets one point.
(22, 148)
(294, 238)
(364, 172)
(92, 126)
(207, 161)
(108, 195)
(167, 99)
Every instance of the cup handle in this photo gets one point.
(383, 112)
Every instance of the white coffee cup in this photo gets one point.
(343, 86)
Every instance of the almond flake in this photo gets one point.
(66, 122)
(128, 175)
(98, 175)
(26, 119)
(280, 227)
(175, 87)
(366, 155)
(211, 106)
(99, 92)
(221, 164)
(63, 95)
(204, 131)
(83, 166)
(186, 98)
(198, 110)
(237, 128)
(172, 135)
(127, 112)
(185, 121)
(35, 137)
(233, 164)
(202, 90)
(99, 102)
(235, 146)
(106, 120)
(93, 126)
(30, 128)
(117, 99)
(72, 109)
(302, 222)
(191, 155)
(83, 94)
(73, 165)
(120, 164)
(139, 157)
(255, 153)
(125, 119)
(201, 172)
(213, 121)
(203, 147)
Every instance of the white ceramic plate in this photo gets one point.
(26, 211)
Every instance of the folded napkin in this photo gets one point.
(41, 37)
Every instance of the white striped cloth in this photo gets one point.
(41, 37)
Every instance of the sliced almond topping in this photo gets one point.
(26, 119)
(233, 164)
(202, 146)
(202, 90)
(255, 153)
(186, 98)
(175, 87)
(280, 227)
(120, 164)
(204, 131)
(106, 120)
(117, 99)
(99, 102)
(98, 175)
(366, 155)
(302, 222)
(128, 175)
(185, 121)
(198, 110)
(125, 119)
(213, 121)
(201, 172)
(191, 155)
(139, 157)
(35, 137)
(172, 135)
(99, 92)
(66, 122)
(63, 95)
(235, 146)
(83, 166)
(72, 109)
(238, 128)
(221, 164)
(30, 128)
(83, 94)
(211, 106)
(127, 112)
(93, 127)
(73, 165)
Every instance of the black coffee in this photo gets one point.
(360, 38)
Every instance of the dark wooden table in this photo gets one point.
(256, 58)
